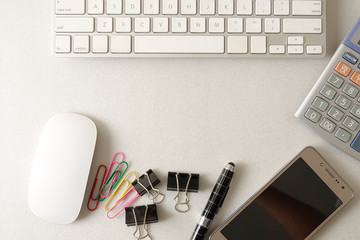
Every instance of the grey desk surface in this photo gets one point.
(189, 115)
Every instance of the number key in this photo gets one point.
(328, 92)
(350, 123)
(320, 104)
(335, 113)
(350, 90)
(335, 80)
(343, 102)
(327, 125)
(312, 115)
(355, 110)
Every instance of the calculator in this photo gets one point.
(332, 108)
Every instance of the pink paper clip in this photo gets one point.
(112, 163)
(93, 188)
(132, 189)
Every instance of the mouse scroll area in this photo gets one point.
(61, 167)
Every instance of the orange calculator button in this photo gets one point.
(343, 69)
(355, 78)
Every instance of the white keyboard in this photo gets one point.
(189, 28)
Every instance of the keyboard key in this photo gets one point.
(296, 49)
(312, 115)
(343, 135)
(120, 44)
(100, 44)
(69, 24)
(132, 7)
(114, 6)
(179, 44)
(123, 25)
(226, 7)
(237, 44)
(281, 7)
(160, 25)
(244, 7)
(235, 25)
(355, 144)
(70, 7)
(306, 8)
(151, 7)
(258, 44)
(350, 90)
(300, 25)
(197, 25)
(104, 25)
(343, 69)
(142, 25)
(277, 49)
(262, 7)
(295, 40)
(81, 44)
(95, 6)
(327, 125)
(253, 25)
(350, 123)
(207, 7)
(272, 25)
(188, 7)
(320, 104)
(314, 49)
(216, 25)
(355, 110)
(327, 92)
(355, 78)
(335, 113)
(179, 25)
(343, 102)
(335, 80)
(62, 44)
(350, 58)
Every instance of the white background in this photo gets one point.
(186, 115)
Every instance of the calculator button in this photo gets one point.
(320, 104)
(350, 90)
(327, 92)
(335, 113)
(335, 80)
(343, 135)
(343, 102)
(343, 69)
(350, 58)
(355, 78)
(355, 110)
(356, 142)
(327, 125)
(350, 123)
(312, 115)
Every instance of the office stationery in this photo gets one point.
(189, 28)
(332, 108)
(124, 181)
(114, 179)
(182, 182)
(145, 184)
(294, 204)
(91, 198)
(61, 167)
(215, 202)
(141, 215)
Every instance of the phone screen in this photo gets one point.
(292, 207)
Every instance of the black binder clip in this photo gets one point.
(146, 184)
(141, 215)
(182, 182)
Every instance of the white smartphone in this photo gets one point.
(293, 205)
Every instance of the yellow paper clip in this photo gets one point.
(128, 182)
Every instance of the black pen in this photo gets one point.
(215, 202)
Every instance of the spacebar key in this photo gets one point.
(179, 44)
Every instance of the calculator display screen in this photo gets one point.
(296, 203)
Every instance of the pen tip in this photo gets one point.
(232, 164)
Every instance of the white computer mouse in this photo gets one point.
(61, 167)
